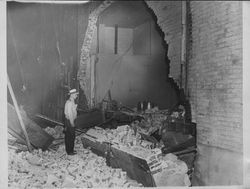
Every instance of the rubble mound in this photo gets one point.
(46, 169)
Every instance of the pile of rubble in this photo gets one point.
(153, 120)
(168, 170)
(161, 166)
(56, 132)
(123, 135)
(56, 169)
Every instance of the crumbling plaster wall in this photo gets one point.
(215, 89)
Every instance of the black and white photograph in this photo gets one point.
(118, 94)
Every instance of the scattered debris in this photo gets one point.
(56, 132)
(153, 120)
(126, 140)
(41, 169)
(37, 136)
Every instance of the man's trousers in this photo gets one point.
(69, 137)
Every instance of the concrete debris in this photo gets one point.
(56, 132)
(169, 171)
(86, 169)
(122, 136)
(153, 121)
(160, 165)
(45, 169)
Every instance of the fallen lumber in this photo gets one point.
(45, 121)
(37, 136)
(89, 119)
(146, 165)
(19, 115)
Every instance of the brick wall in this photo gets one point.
(168, 15)
(214, 66)
(214, 69)
(215, 73)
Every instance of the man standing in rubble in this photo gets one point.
(70, 116)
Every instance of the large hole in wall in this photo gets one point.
(46, 50)
(132, 57)
(179, 91)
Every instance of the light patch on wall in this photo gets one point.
(125, 40)
(107, 39)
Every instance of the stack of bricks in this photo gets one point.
(215, 73)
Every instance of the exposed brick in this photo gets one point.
(215, 73)
(169, 19)
(214, 78)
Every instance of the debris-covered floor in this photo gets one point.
(85, 169)
(56, 169)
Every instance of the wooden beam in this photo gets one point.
(116, 39)
(19, 115)
(92, 80)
